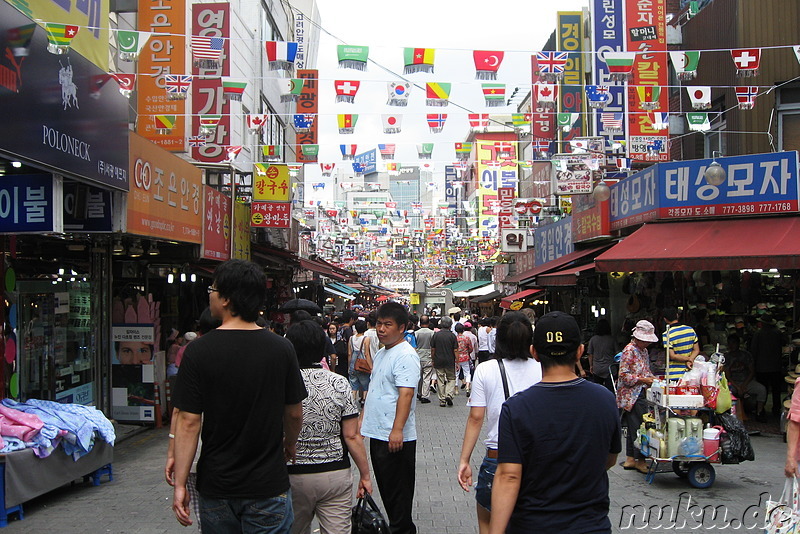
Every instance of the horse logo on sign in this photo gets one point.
(69, 91)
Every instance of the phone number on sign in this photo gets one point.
(774, 207)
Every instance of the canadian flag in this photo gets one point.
(327, 168)
(546, 92)
(255, 122)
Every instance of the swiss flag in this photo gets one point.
(746, 58)
(347, 87)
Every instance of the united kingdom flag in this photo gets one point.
(197, 141)
(552, 64)
(177, 85)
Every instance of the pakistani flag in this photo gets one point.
(291, 89)
(685, 64)
(566, 120)
(131, 43)
(698, 122)
(425, 150)
(353, 57)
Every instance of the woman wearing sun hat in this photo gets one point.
(634, 377)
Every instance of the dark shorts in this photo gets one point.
(483, 490)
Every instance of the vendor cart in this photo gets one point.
(696, 468)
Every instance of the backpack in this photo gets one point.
(411, 337)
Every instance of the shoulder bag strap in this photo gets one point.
(503, 376)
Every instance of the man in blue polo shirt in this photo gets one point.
(556, 441)
(682, 342)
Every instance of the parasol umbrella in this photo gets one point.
(300, 304)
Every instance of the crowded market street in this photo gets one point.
(138, 500)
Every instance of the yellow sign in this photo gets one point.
(414, 299)
(92, 18)
(516, 305)
(271, 182)
(241, 231)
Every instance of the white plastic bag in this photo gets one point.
(783, 516)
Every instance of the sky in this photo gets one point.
(454, 29)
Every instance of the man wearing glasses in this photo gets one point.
(241, 386)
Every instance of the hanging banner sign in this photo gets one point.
(450, 189)
(646, 33)
(608, 35)
(589, 218)
(28, 204)
(271, 182)
(241, 232)
(216, 225)
(634, 200)
(270, 214)
(308, 105)
(164, 201)
(570, 39)
(368, 161)
(571, 174)
(543, 122)
(164, 53)
(553, 241)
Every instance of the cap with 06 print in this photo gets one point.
(556, 334)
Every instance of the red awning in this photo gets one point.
(323, 269)
(506, 302)
(565, 277)
(718, 245)
(555, 264)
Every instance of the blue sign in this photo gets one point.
(86, 208)
(450, 191)
(553, 241)
(26, 204)
(634, 200)
(756, 184)
(609, 36)
(368, 161)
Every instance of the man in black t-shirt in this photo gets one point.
(443, 354)
(240, 384)
(556, 440)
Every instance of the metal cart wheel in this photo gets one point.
(681, 468)
(701, 475)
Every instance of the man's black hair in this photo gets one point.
(244, 284)
(360, 326)
(670, 314)
(347, 316)
(299, 315)
(309, 342)
(394, 311)
(459, 328)
(372, 318)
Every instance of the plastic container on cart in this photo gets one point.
(676, 431)
(711, 443)
(694, 428)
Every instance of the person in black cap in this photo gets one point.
(556, 441)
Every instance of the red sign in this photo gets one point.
(216, 225)
(452, 273)
(308, 104)
(270, 214)
(542, 121)
(211, 20)
(590, 218)
(505, 196)
(646, 33)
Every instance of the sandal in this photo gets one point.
(627, 467)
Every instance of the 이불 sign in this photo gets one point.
(27, 204)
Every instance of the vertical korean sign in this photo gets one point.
(497, 168)
(216, 225)
(241, 232)
(570, 39)
(542, 121)
(308, 104)
(164, 53)
(646, 33)
(608, 35)
(211, 20)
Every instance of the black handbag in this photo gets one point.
(367, 517)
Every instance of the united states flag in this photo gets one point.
(206, 47)
(611, 120)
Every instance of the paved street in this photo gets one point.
(138, 499)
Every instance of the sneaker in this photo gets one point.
(424, 400)
(468, 394)
(463, 386)
(442, 404)
(449, 401)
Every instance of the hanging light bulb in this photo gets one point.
(170, 278)
(118, 249)
(193, 277)
(183, 277)
(714, 174)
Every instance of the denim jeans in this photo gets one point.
(483, 489)
(247, 516)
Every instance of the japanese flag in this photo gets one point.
(392, 123)
(700, 95)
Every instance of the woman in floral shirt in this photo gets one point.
(634, 375)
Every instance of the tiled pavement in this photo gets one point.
(138, 500)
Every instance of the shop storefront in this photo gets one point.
(63, 152)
